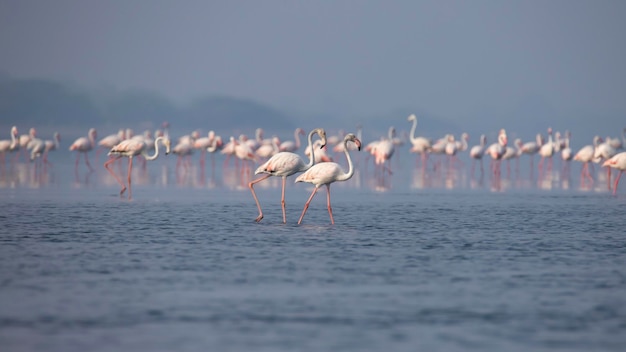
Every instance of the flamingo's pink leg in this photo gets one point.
(106, 165)
(306, 205)
(330, 209)
(258, 205)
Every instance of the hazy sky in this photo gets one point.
(454, 59)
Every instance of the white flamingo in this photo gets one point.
(421, 145)
(84, 145)
(618, 161)
(327, 173)
(130, 148)
(284, 164)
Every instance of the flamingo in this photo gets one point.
(585, 155)
(320, 156)
(266, 151)
(130, 148)
(421, 145)
(477, 152)
(546, 151)
(24, 141)
(9, 145)
(604, 151)
(84, 145)
(497, 150)
(327, 173)
(382, 150)
(203, 144)
(110, 141)
(532, 148)
(285, 164)
(618, 161)
(566, 152)
(291, 146)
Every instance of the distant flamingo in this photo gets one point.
(9, 145)
(320, 156)
(618, 161)
(327, 173)
(546, 151)
(130, 148)
(292, 146)
(477, 152)
(421, 145)
(202, 144)
(84, 145)
(585, 156)
(496, 151)
(110, 141)
(532, 148)
(566, 153)
(24, 141)
(285, 164)
(604, 151)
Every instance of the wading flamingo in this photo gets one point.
(327, 173)
(284, 164)
(618, 161)
(130, 148)
(84, 145)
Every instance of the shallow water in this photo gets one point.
(417, 261)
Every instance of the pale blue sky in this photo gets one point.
(454, 59)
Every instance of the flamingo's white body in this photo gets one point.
(84, 145)
(618, 161)
(327, 173)
(130, 148)
(421, 145)
(320, 155)
(585, 156)
(477, 152)
(284, 164)
(9, 145)
(496, 151)
(292, 146)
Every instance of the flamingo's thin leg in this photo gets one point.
(306, 205)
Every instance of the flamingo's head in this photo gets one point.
(412, 117)
(167, 145)
(322, 133)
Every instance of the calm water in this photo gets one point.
(418, 261)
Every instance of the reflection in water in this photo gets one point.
(405, 175)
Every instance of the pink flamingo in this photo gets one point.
(618, 161)
(327, 173)
(292, 146)
(285, 164)
(546, 151)
(110, 141)
(477, 152)
(496, 151)
(604, 151)
(9, 145)
(84, 145)
(421, 145)
(585, 156)
(130, 148)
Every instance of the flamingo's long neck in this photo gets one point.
(412, 134)
(92, 139)
(13, 139)
(156, 150)
(350, 172)
(297, 136)
(312, 148)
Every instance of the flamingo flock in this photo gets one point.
(320, 163)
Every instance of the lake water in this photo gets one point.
(419, 260)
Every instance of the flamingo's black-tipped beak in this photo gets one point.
(322, 146)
